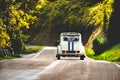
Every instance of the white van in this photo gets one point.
(70, 45)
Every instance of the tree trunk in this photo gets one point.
(95, 33)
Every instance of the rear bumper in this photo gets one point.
(70, 54)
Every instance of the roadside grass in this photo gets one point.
(27, 50)
(8, 57)
(32, 49)
(112, 54)
(89, 51)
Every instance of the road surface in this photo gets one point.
(44, 66)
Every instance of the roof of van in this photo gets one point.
(70, 33)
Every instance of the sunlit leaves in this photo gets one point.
(19, 19)
(94, 16)
(4, 40)
(14, 19)
(99, 14)
(108, 10)
(75, 11)
(4, 37)
(62, 12)
(17, 15)
(40, 4)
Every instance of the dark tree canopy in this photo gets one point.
(21, 17)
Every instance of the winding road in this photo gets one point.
(43, 65)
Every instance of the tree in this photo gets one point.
(4, 37)
(15, 20)
(99, 17)
(61, 12)
(114, 27)
(58, 16)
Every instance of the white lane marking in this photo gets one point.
(118, 65)
(50, 47)
(38, 53)
(50, 67)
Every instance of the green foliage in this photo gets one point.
(32, 49)
(99, 15)
(72, 13)
(89, 52)
(40, 4)
(62, 12)
(10, 57)
(100, 43)
(15, 18)
(112, 54)
(99, 47)
(101, 38)
(108, 5)
(18, 20)
(4, 37)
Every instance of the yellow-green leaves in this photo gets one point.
(15, 17)
(19, 19)
(99, 14)
(108, 10)
(4, 40)
(4, 37)
(40, 4)
(96, 14)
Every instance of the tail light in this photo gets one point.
(63, 51)
(77, 51)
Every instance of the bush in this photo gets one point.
(99, 45)
(10, 57)
(33, 49)
(112, 54)
(89, 51)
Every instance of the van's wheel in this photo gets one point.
(58, 57)
(82, 57)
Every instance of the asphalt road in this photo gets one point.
(44, 66)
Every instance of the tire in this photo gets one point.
(82, 57)
(58, 56)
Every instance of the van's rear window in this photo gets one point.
(70, 38)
